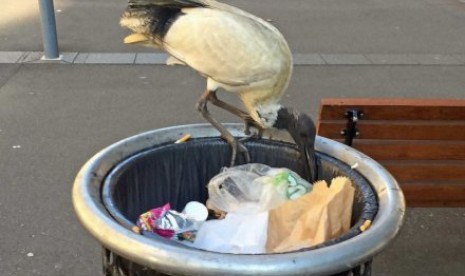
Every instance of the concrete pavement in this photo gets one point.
(55, 116)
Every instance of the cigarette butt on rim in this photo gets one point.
(136, 230)
(183, 139)
(365, 225)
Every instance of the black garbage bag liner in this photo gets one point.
(179, 173)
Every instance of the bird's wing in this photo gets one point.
(170, 3)
(229, 48)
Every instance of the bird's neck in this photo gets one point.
(286, 120)
(299, 125)
(266, 114)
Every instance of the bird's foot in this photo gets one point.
(236, 149)
(252, 129)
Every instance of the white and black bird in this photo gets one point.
(235, 51)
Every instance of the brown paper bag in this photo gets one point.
(318, 216)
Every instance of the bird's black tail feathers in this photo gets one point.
(157, 16)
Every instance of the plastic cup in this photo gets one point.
(196, 211)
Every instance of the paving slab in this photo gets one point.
(151, 58)
(391, 59)
(69, 57)
(81, 58)
(109, 58)
(436, 59)
(54, 117)
(308, 59)
(33, 56)
(10, 56)
(350, 59)
(298, 59)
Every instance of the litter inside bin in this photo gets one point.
(260, 184)
(253, 225)
(268, 210)
(314, 218)
(237, 233)
(173, 224)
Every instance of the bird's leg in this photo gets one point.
(248, 121)
(236, 146)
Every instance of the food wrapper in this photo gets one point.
(316, 217)
(168, 223)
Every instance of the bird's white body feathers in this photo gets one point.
(234, 50)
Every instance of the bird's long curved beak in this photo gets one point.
(308, 153)
(302, 129)
(135, 38)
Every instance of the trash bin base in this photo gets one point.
(114, 265)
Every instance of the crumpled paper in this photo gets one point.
(316, 217)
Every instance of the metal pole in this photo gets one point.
(49, 31)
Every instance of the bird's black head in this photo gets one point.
(302, 129)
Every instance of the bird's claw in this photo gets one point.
(238, 147)
(250, 123)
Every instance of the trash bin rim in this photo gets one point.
(166, 257)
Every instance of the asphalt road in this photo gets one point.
(310, 26)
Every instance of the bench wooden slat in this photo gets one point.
(434, 194)
(410, 149)
(405, 109)
(420, 141)
(398, 130)
(429, 170)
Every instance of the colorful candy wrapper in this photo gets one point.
(168, 223)
(148, 221)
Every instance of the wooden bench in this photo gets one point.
(420, 141)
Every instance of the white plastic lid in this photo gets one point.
(196, 211)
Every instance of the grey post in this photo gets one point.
(49, 31)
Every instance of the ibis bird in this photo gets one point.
(235, 51)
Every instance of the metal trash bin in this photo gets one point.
(147, 170)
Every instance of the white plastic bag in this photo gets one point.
(254, 183)
(237, 233)
(246, 193)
